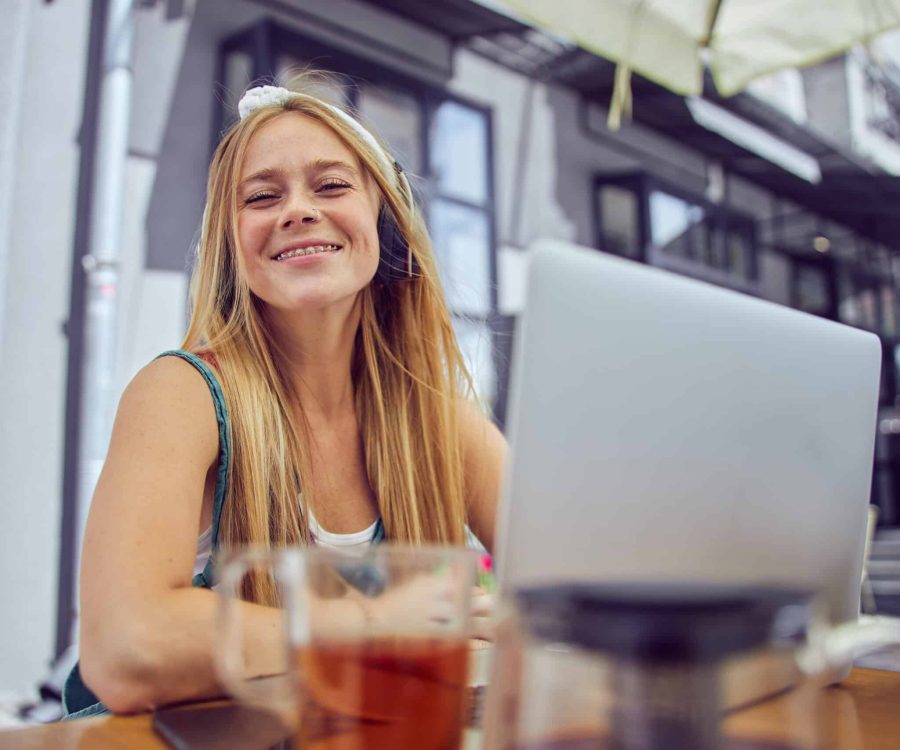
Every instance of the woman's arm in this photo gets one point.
(147, 637)
(484, 458)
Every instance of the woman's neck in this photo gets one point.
(316, 350)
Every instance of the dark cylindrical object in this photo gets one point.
(664, 644)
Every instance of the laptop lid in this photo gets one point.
(663, 429)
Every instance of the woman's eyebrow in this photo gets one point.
(320, 165)
(261, 176)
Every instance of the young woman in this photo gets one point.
(320, 397)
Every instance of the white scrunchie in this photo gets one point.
(261, 96)
(267, 96)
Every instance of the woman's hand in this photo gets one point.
(421, 603)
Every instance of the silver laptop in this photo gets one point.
(663, 429)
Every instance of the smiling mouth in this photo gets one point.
(311, 250)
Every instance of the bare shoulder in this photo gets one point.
(484, 457)
(170, 398)
(478, 428)
(169, 375)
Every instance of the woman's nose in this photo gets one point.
(303, 214)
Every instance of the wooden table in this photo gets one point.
(861, 714)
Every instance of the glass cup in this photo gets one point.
(374, 648)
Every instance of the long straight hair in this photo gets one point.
(408, 374)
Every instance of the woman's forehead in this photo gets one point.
(293, 139)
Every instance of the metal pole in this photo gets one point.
(101, 265)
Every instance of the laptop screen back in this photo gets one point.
(666, 429)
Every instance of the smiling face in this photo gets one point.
(307, 217)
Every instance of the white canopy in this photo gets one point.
(668, 41)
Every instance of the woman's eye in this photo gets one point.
(333, 184)
(264, 195)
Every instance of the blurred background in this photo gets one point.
(787, 191)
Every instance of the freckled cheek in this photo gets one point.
(252, 238)
(369, 230)
(372, 249)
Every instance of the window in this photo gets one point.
(443, 144)
(461, 226)
(706, 234)
(398, 118)
(678, 227)
(866, 301)
(621, 227)
(881, 97)
(638, 217)
(811, 290)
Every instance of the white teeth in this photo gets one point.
(311, 250)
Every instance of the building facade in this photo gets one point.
(783, 193)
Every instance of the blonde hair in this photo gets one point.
(408, 374)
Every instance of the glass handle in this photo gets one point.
(276, 694)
